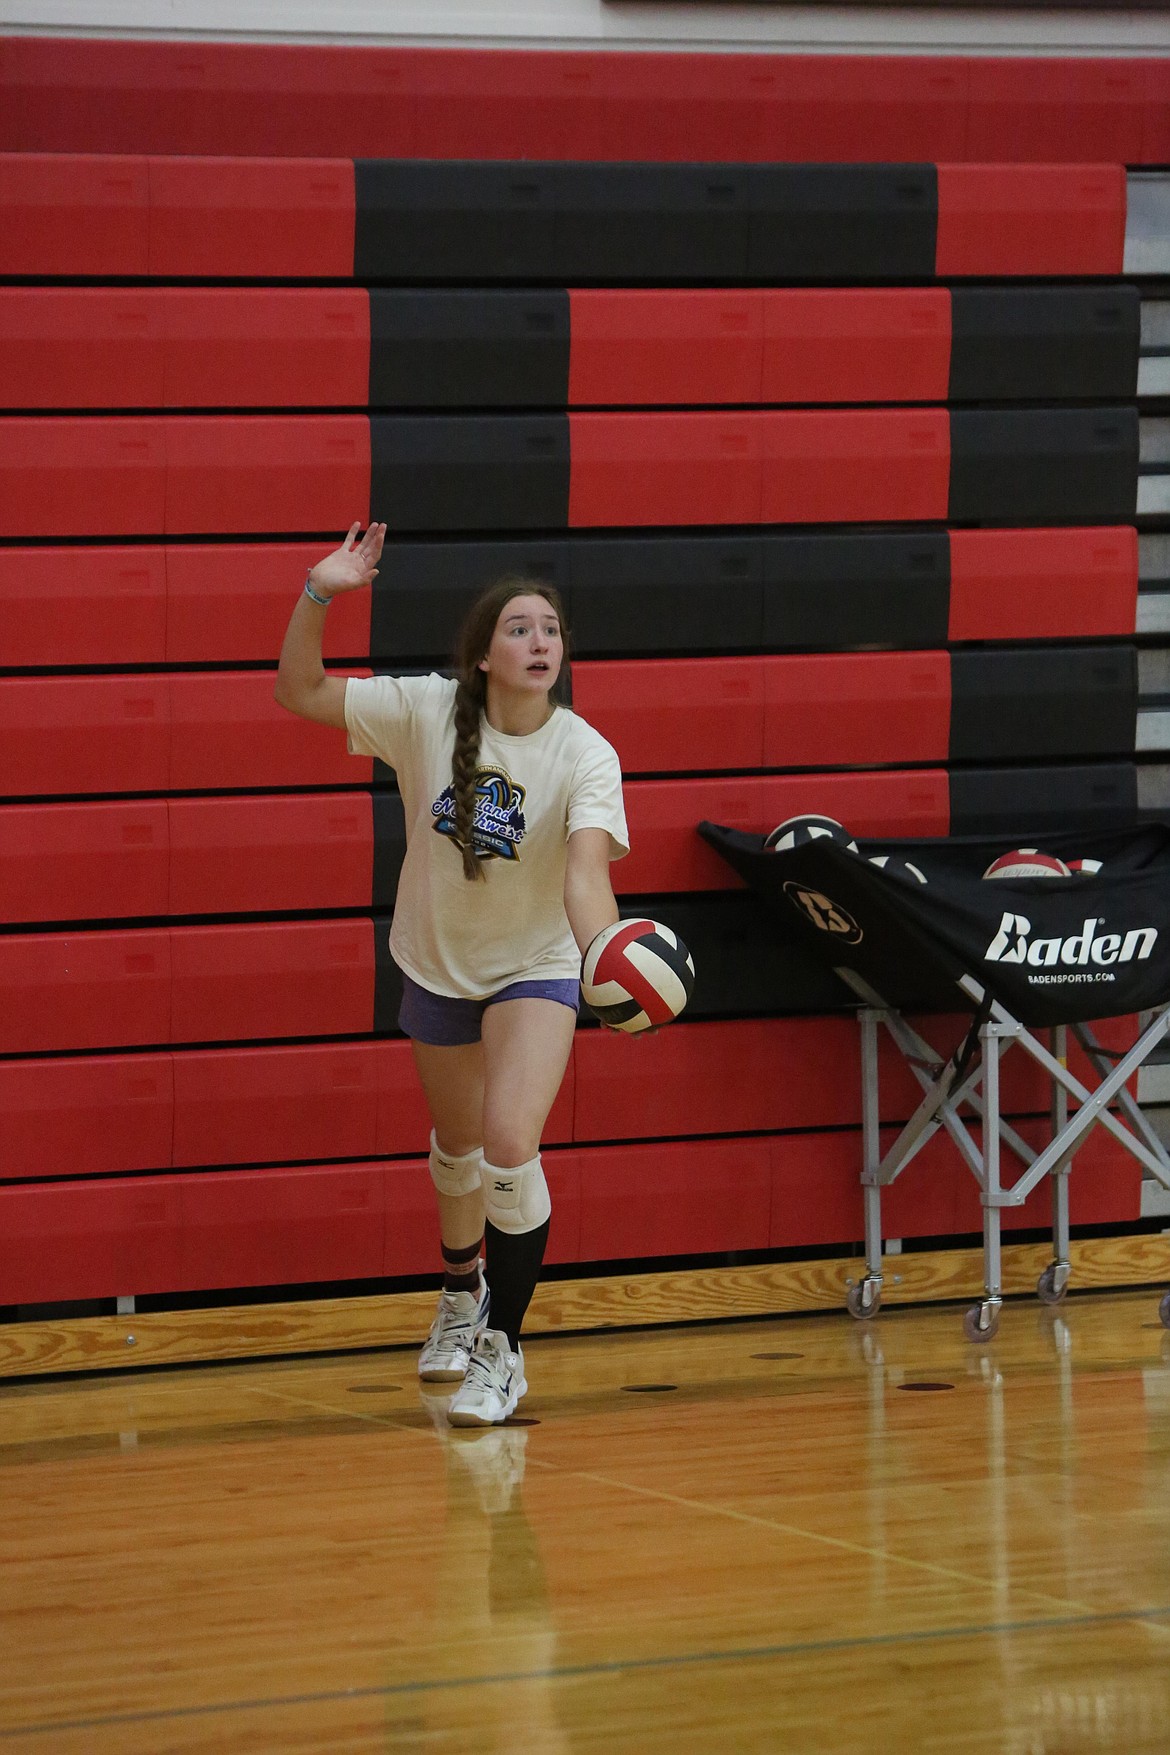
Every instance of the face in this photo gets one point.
(527, 647)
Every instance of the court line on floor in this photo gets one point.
(579, 1672)
(791, 1529)
(886, 1555)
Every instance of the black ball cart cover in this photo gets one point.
(1052, 950)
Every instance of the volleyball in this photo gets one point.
(892, 865)
(1084, 867)
(636, 975)
(799, 831)
(1026, 862)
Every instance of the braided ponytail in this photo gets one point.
(469, 699)
(475, 637)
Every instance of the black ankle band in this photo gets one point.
(455, 1258)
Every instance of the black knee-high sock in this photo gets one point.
(513, 1268)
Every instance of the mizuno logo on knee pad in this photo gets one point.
(516, 1200)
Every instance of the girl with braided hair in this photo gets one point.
(513, 809)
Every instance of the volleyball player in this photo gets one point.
(514, 811)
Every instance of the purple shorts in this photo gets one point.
(452, 1023)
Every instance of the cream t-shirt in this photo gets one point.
(468, 940)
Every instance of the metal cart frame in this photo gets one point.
(971, 1078)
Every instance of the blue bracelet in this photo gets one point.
(309, 592)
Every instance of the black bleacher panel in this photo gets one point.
(1064, 466)
(453, 349)
(498, 222)
(444, 472)
(669, 593)
(842, 222)
(1043, 701)
(1019, 802)
(1016, 344)
(387, 979)
(451, 220)
(643, 223)
(389, 846)
(666, 594)
(638, 222)
(742, 964)
(425, 587)
(879, 589)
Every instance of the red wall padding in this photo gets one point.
(785, 1073)
(219, 603)
(363, 1220)
(154, 733)
(197, 603)
(265, 1105)
(311, 852)
(74, 215)
(676, 713)
(817, 1196)
(668, 854)
(248, 218)
(153, 476)
(1044, 219)
(254, 854)
(821, 710)
(1020, 109)
(67, 95)
(86, 734)
(251, 218)
(227, 731)
(87, 605)
(172, 347)
(85, 861)
(799, 467)
(186, 984)
(876, 345)
(118, 860)
(177, 218)
(300, 978)
(231, 601)
(223, 729)
(745, 346)
(85, 1116)
(85, 990)
(1042, 584)
(808, 711)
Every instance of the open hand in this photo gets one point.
(354, 563)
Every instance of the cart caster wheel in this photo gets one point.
(865, 1300)
(980, 1322)
(1053, 1283)
(1164, 1310)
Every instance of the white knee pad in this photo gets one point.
(516, 1200)
(455, 1175)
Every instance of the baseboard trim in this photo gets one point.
(649, 1299)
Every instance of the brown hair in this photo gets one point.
(475, 636)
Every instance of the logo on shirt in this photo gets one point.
(498, 826)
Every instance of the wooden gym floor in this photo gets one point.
(797, 1535)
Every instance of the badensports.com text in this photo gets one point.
(1081, 975)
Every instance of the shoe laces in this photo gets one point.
(484, 1367)
(452, 1325)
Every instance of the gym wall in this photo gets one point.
(830, 403)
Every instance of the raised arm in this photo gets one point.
(302, 684)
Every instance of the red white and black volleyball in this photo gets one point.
(637, 975)
(1026, 862)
